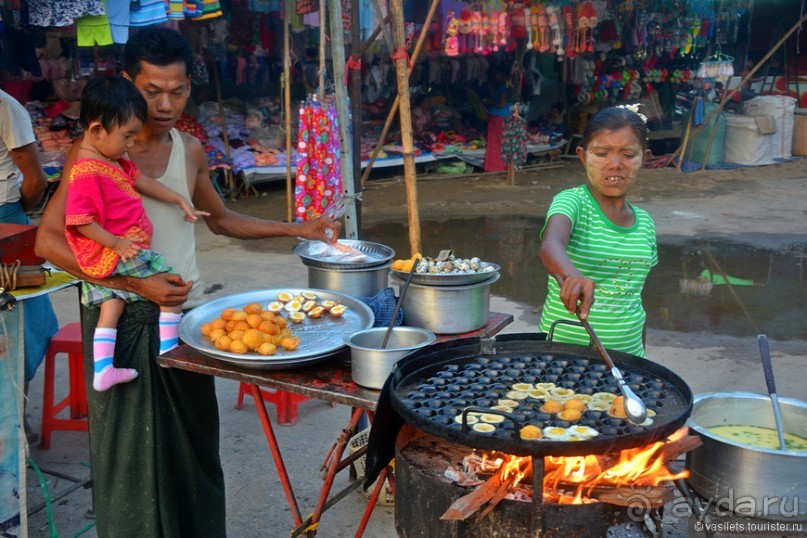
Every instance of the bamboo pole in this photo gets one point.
(321, 51)
(397, 102)
(686, 134)
(384, 29)
(405, 116)
(747, 77)
(342, 112)
(224, 134)
(288, 6)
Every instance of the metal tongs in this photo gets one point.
(635, 409)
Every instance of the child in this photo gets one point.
(106, 225)
(601, 245)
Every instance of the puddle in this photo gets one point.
(767, 295)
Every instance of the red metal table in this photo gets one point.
(330, 381)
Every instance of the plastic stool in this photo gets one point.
(286, 402)
(67, 340)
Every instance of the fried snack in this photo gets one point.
(530, 432)
(576, 404)
(571, 415)
(252, 329)
(618, 408)
(552, 407)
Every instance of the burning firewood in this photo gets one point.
(467, 505)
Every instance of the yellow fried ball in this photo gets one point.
(206, 328)
(552, 407)
(290, 343)
(239, 315)
(222, 343)
(253, 320)
(227, 314)
(571, 415)
(574, 403)
(530, 432)
(236, 346)
(267, 348)
(252, 338)
(253, 308)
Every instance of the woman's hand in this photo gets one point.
(125, 248)
(577, 294)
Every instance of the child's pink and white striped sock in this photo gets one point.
(169, 323)
(105, 375)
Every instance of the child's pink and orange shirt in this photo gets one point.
(104, 193)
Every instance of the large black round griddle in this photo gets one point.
(429, 388)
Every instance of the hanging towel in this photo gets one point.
(319, 179)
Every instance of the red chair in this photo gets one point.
(286, 402)
(67, 340)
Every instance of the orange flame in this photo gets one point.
(643, 466)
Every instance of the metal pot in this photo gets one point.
(447, 309)
(371, 365)
(748, 480)
(354, 282)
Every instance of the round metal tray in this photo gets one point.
(449, 279)
(379, 254)
(319, 338)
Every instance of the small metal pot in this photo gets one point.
(447, 309)
(354, 282)
(371, 365)
(749, 480)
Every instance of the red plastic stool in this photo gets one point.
(67, 340)
(286, 402)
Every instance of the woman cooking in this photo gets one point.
(599, 245)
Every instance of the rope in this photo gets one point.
(402, 53)
(352, 64)
(8, 275)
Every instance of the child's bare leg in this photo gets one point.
(103, 344)
(169, 323)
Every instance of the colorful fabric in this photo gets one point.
(215, 157)
(176, 10)
(166, 422)
(102, 193)
(319, 177)
(514, 141)
(617, 259)
(61, 13)
(147, 12)
(307, 6)
(493, 145)
(146, 263)
(209, 9)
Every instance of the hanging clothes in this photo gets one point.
(319, 177)
(62, 13)
(514, 140)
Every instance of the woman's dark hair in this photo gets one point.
(157, 46)
(113, 101)
(613, 119)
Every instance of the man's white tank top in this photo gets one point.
(173, 237)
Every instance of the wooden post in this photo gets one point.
(401, 58)
(224, 135)
(355, 105)
(686, 134)
(396, 103)
(346, 160)
(288, 5)
(322, 28)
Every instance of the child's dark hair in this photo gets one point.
(157, 46)
(113, 101)
(613, 119)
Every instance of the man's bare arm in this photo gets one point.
(34, 181)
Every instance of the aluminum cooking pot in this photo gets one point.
(749, 480)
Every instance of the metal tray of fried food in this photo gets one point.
(376, 254)
(319, 338)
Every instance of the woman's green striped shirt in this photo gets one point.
(617, 259)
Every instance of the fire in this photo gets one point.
(643, 466)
